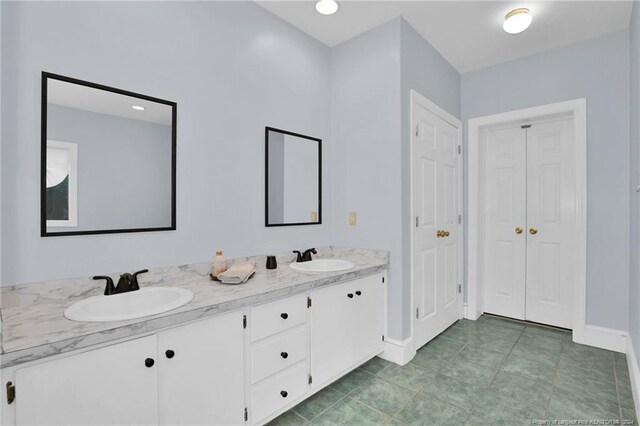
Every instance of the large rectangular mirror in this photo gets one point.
(293, 178)
(108, 160)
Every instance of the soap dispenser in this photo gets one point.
(219, 264)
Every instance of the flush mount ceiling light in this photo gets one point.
(138, 108)
(517, 21)
(327, 7)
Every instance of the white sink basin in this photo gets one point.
(124, 306)
(322, 265)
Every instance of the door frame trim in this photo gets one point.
(414, 98)
(577, 108)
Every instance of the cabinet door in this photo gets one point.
(107, 386)
(201, 374)
(332, 332)
(369, 316)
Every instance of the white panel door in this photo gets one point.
(505, 220)
(551, 212)
(107, 386)
(201, 372)
(435, 198)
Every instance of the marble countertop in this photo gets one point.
(34, 326)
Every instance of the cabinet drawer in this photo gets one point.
(274, 393)
(278, 352)
(277, 316)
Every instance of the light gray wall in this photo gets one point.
(366, 176)
(634, 283)
(372, 76)
(124, 169)
(300, 179)
(232, 67)
(427, 72)
(598, 70)
(276, 177)
(1, 145)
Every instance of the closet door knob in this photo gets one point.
(284, 393)
(284, 355)
(169, 353)
(350, 295)
(284, 315)
(440, 233)
(533, 231)
(446, 233)
(149, 362)
(518, 230)
(359, 293)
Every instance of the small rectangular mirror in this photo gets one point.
(108, 161)
(293, 178)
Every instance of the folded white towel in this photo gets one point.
(238, 273)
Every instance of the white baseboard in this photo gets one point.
(398, 352)
(600, 337)
(634, 375)
(470, 314)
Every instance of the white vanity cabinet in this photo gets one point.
(190, 374)
(111, 385)
(346, 326)
(241, 367)
(324, 334)
(279, 355)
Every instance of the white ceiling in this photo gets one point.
(104, 102)
(467, 33)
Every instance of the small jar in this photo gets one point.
(219, 264)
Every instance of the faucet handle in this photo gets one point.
(306, 256)
(109, 288)
(298, 257)
(134, 278)
(142, 271)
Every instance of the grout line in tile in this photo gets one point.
(488, 387)
(404, 405)
(547, 404)
(615, 376)
(375, 409)
(323, 411)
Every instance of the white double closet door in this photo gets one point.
(529, 217)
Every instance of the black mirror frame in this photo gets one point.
(43, 158)
(268, 129)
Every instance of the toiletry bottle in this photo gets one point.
(219, 264)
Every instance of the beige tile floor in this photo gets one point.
(491, 371)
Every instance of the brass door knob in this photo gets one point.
(518, 230)
(533, 231)
(440, 233)
(446, 233)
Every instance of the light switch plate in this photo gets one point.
(353, 218)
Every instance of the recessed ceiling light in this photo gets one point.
(327, 7)
(517, 21)
(138, 108)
